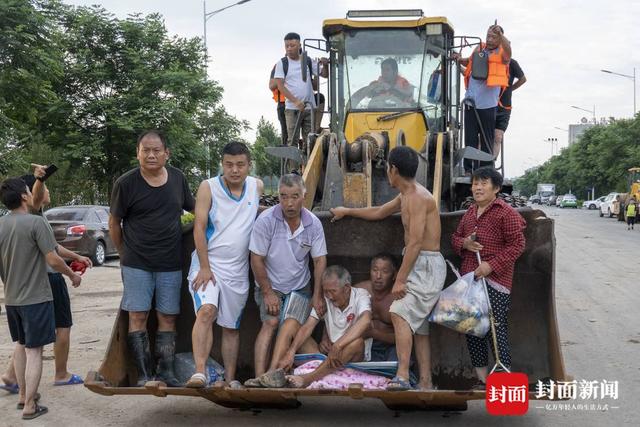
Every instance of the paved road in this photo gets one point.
(598, 311)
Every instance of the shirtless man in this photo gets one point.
(423, 270)
(382, 275)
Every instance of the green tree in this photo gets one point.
(266, 136)
(124, 76)
(77, 86)
(599, 159)
(30, 69)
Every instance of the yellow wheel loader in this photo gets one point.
(345, 164)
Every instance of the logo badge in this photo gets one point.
(507, 394)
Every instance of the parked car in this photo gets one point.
(569, 201)
(559, 200)
(83, 229)
(593, 204)
(552, 200)
(606, 207)
(535, 199)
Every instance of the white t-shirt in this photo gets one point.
(338, 321)
(294, 83)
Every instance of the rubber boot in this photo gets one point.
(139, 349)
(165, 355)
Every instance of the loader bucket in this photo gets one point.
(351, 242)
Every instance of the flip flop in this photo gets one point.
(40, 410)
(11, 388)
(75, 379)
(398, 384)
(197, 380)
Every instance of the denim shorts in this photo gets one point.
(140, 286)
(299, 313)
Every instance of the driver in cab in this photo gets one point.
(390, 86)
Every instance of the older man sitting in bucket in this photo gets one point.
(347, 319)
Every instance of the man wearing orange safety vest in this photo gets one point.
(279, 98)
(484, 86)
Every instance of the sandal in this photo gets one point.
(235, 385)
(479, 386)
(273, 379)
(398, 384)
(197, 380)
(75, 379)
(40, 410)
(36, 399)
(11, 388)
(253, 383)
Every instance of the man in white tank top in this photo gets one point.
(226, 208)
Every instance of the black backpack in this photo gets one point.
(480, 61)
(285, 66)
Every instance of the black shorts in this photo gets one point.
(61, 301)
(631, 220)
(32, 325)
(502, 119)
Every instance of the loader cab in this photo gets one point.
(385, 70)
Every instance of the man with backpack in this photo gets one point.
(294, 78)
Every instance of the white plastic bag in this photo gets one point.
(463, 306)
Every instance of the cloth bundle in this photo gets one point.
(341, 379)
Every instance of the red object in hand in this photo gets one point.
(78, 267)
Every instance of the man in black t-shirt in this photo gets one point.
(146, 205)
(503, 112)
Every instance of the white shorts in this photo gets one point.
(227, 296)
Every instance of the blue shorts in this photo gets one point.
(140, 286)
(383, 352)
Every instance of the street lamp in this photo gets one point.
(593, 112)
(634, 84)
(205, 17)
(553, 141)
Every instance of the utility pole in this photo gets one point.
(205, 17)
(632, 77)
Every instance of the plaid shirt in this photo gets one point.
(500, 231)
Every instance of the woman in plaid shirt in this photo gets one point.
(499, 237)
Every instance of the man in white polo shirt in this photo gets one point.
(347, 319)
(282, 240)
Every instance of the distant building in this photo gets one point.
(576, 131)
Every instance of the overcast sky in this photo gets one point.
(560, 45)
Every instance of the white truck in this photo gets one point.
(545, 191)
